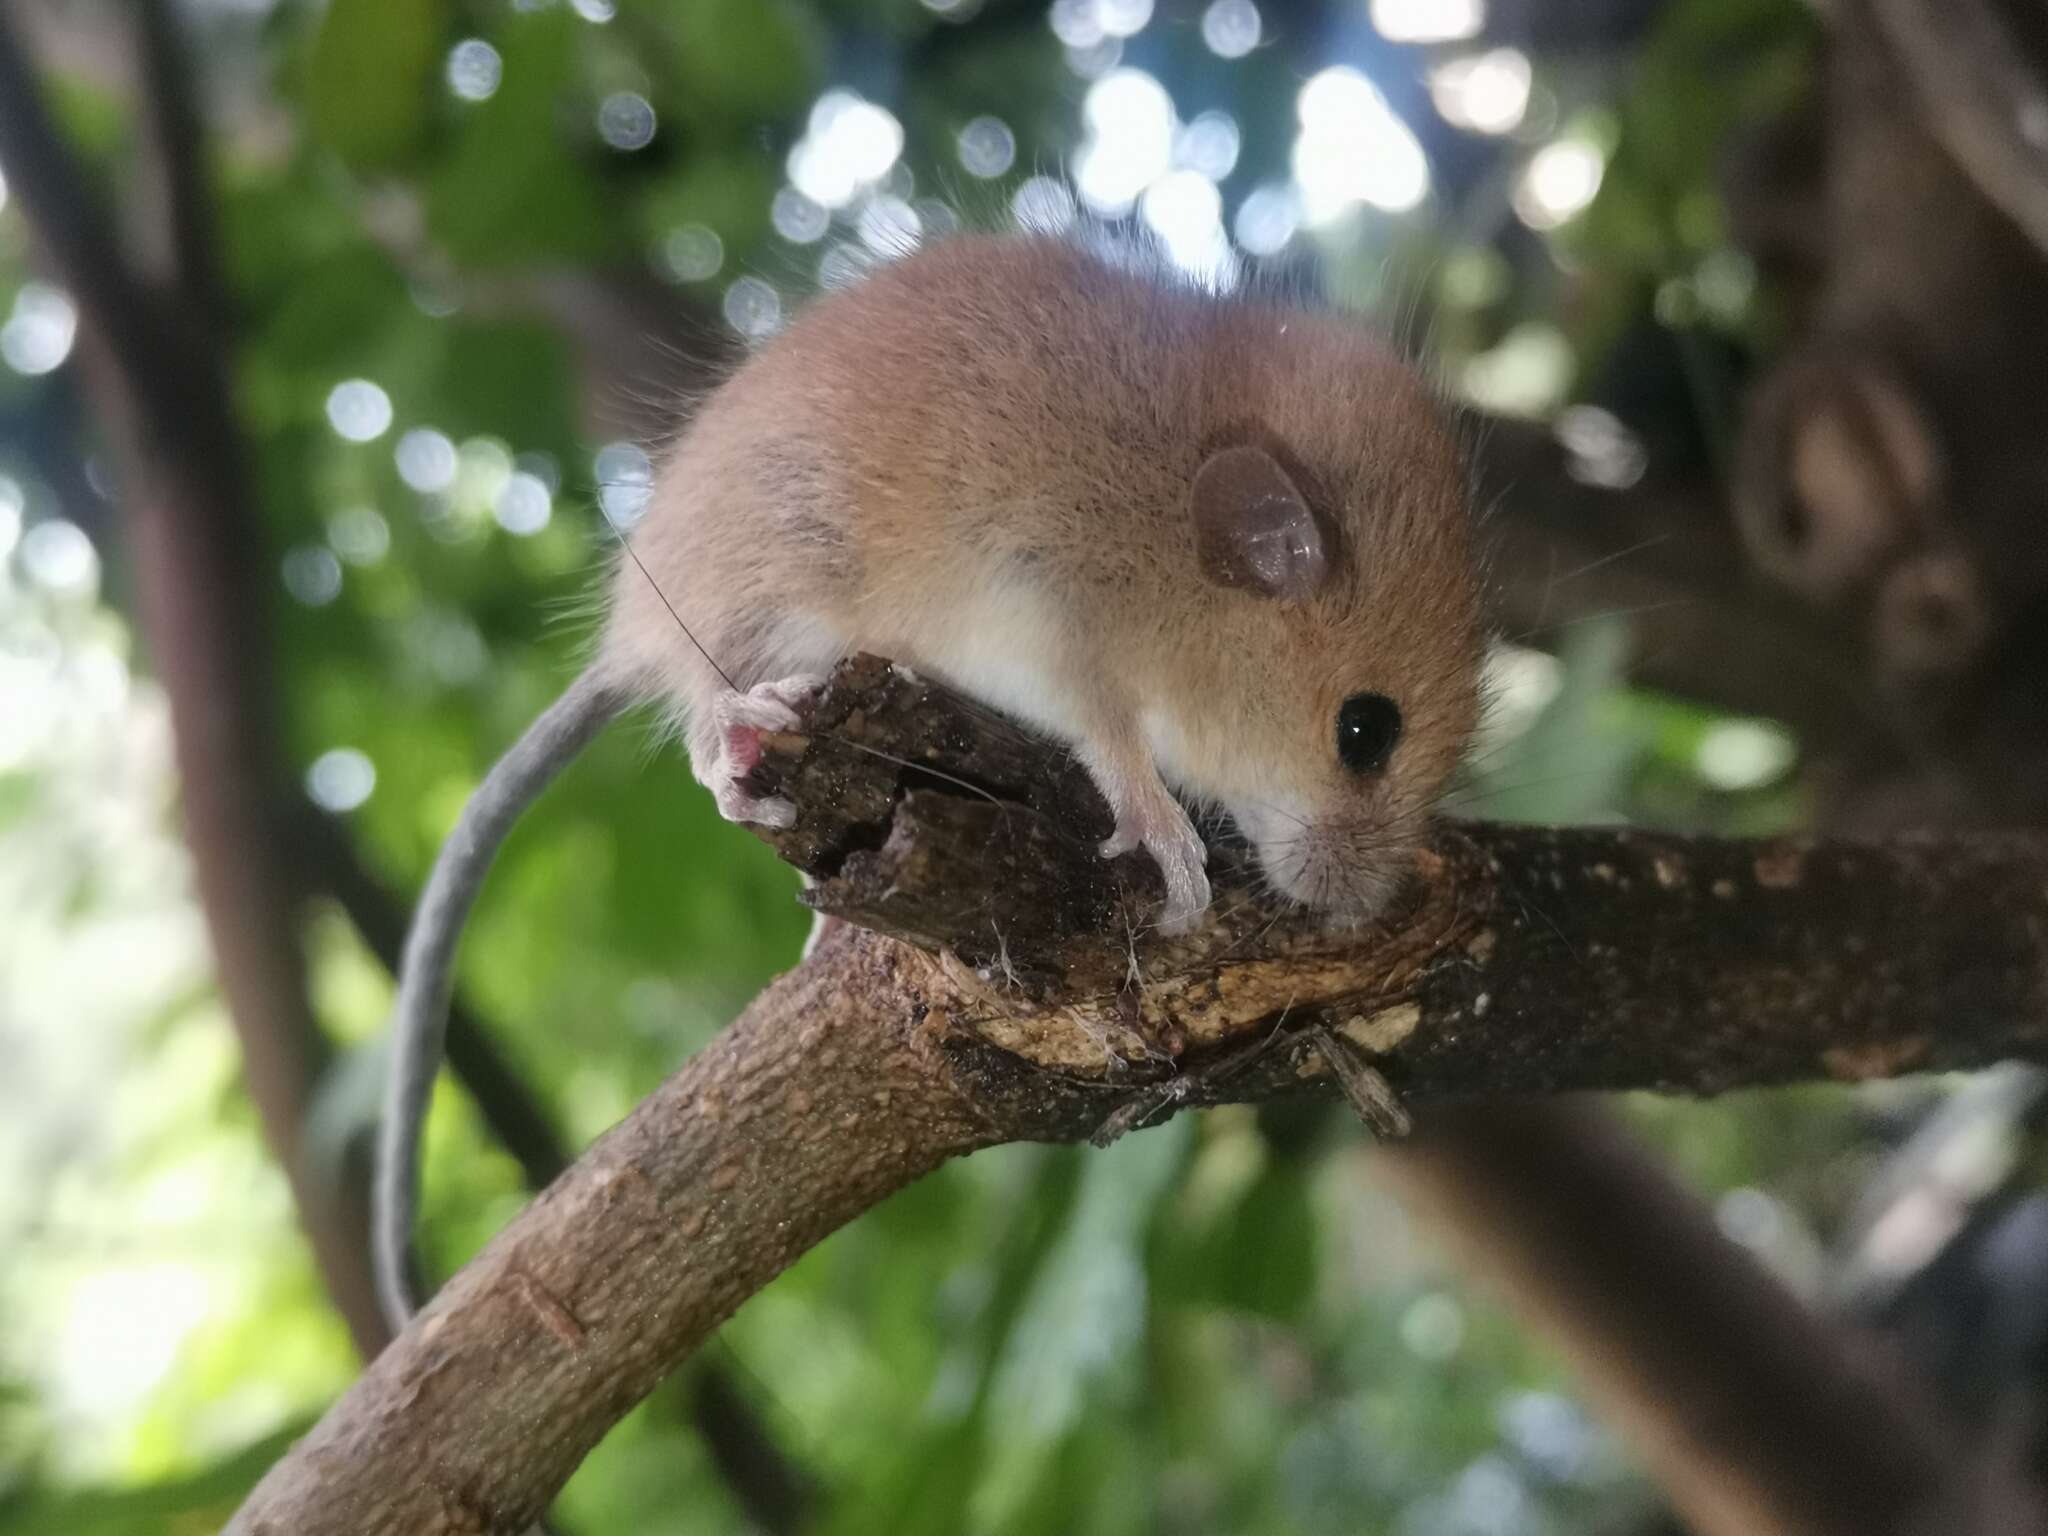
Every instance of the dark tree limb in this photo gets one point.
(1032, 1001)
(193, 518)
(180, 180)
(1752, 1414)
(69, 222)
(331, 866)
(1983, 94)
(773, 1490)
(1663, 554)
(196, 570)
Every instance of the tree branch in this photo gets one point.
(170, 104)
(56, 195)
(196, 570)
(1040, 1003)
(1752, 1413)
(1665, 555)
(1982, 95)
(768, 1485)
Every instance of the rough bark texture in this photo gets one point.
(827, 1095)
(1523, 961)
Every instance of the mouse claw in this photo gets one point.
(735, 804)
(1182, 858)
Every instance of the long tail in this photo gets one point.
(420, 1025)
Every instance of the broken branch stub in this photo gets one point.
(1518, 960)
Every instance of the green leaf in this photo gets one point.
(370, 85)
(514, 190)
(1259, 1257)
(1075, 1349)
(740, 61)
(511, 381)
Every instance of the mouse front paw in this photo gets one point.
(742, 719)
(1166, 833)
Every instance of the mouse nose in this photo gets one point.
(1346, 866)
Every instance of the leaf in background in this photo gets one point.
(514, 191)
(505, 380)
(1258, 1256)
(334, 319)
(370, 85)
(1075, 1347)
(738, 62)
(199, 1501)
(1573, 764)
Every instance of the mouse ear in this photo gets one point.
(1252, 527)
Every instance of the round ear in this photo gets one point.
(1253, 530)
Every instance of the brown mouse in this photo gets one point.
(1220, 543)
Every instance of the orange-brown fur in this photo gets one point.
(977, 462)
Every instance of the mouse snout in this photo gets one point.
(1347, 866)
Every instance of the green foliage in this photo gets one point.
(1221, 1324)
(738, 62)
(516, 187)
(370, 76)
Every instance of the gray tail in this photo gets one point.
(426, 976)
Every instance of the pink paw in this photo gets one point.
(742, 718)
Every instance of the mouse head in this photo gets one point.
(1348, 587)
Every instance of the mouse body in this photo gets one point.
(1218, 543)
(1049, 479)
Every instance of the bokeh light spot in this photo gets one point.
(625, 483)
(848, 144)
(523, 507)
(753, 308)
(1483, 92)
(626, 121)
(37, 336)
(692, 253)
(1268, 219)
(1354, 149)
(1428, 21)
(798, 219)
(987, 147)
(359, 410)
(60, 558)
(426, 460)
(1736, 755)
(1231, 28)
(475, 70)
(1043, 205)
(1561, 179)
(340, 780)
(889, 227)
(359, 535)
(312, 574)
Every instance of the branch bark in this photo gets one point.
(1014, 990)
(774, 1491)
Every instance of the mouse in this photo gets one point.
(1217, 542)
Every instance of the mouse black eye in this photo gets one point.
(1368, 725)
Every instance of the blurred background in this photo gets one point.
(472, 257)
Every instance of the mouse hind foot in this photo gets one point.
(738, 722)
